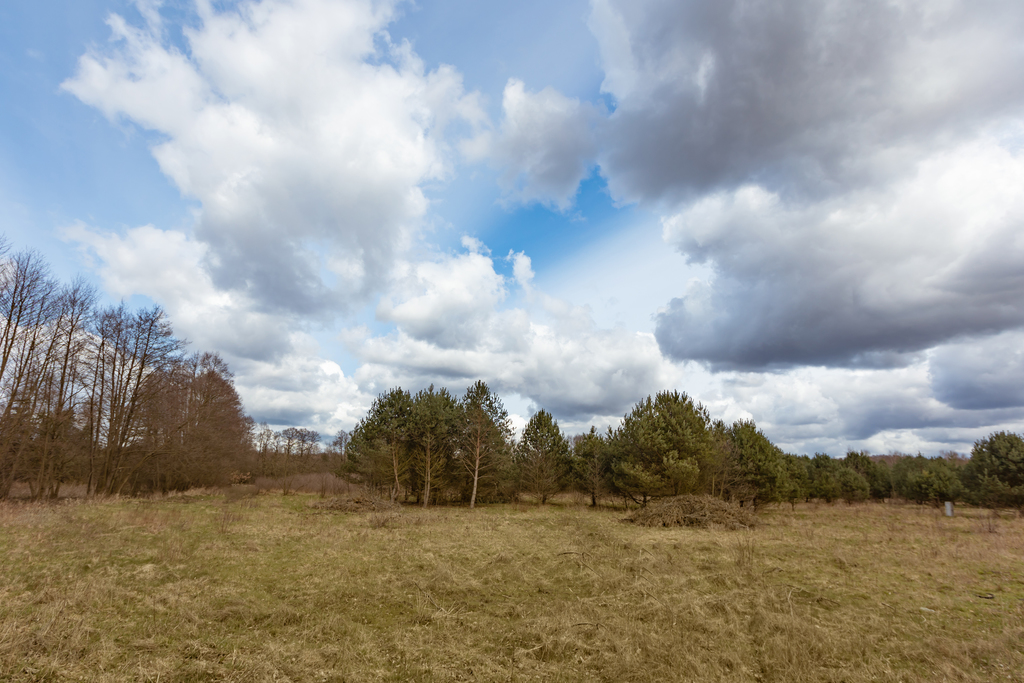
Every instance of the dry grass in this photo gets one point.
(192, 588)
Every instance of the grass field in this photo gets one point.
(194, 588)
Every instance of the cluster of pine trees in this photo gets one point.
(434, 447)
(105, 397)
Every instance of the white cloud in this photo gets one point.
(167, 266)
(830, 410)
(301, 129)
(544, 147)
(545, 350)
(442, 302)
(302, 388)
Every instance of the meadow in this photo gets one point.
(196, 587)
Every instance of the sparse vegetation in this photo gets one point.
(192, 587)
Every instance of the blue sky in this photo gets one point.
(797, 212)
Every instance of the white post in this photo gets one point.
(949, 508)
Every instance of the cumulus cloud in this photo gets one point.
(544, 350)
(544, 147)
(443, 302)
(801, 96)
(302, 130)
(863, 278)
(167, 266)
(303, 389)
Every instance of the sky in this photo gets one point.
(808, 213)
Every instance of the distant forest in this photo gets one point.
(110, 400)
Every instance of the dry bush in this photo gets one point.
(695, 511)
(228, 518)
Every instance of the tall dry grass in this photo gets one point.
(266, 588)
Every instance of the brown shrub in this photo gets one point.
(695, 511)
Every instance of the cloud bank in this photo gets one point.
(850, 173)
(804, 97)
(865, 278)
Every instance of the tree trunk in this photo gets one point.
(394, 463)
(426, 477)
(476, 479)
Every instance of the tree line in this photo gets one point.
(434, 447)
(280, 455)
(106, 396)
(109, 397)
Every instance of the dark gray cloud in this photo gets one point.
(890, 413)
(805, 96)
(982, 374)
(867, 279)
(850, 171)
